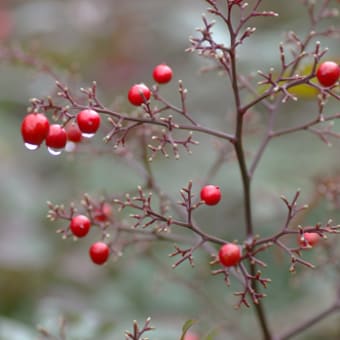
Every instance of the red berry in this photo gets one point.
(162, 73)
(80, 225)
(328, 73)
(211, 194)
(99, 252)
(73, 133)
(230, 254)
(138, 94)
(88, 121)
(309, 239)
(103, 212)
(34, 128)
(190, 336)
(56, 137)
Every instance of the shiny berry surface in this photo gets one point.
(56, 137)
(138, 93)
(308, 240)
(88, 121)
(211, 194)
(73, 133)
(229, 254)
(80, 225)
(328, 73)
(34, 128)
(162, 73)
(99, 252)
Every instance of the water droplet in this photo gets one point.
(70, 146)
(54, 152)
(88, 135)
(31, 146)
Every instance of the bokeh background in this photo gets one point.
(117, 43)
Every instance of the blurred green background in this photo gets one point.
(117, 43)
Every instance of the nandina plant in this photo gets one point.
(156, 127)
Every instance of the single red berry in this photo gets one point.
(73, 133)
(328, 73)
(190, 336)
(138, 94)
(88, 121)
(34, 128)
(309, 239)
(99, 252)
(103, 212)
(56, 137)
(162, 73)
(230, 254)
(80, 225)
(211, 194)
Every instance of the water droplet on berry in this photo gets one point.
(54, 152)
(88, 135)
(31, 146)
(70, 146)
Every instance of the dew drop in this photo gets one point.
(70, 146)
(54, 152)
(88, 135)
(31, 146)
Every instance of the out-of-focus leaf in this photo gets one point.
(187, 325)
(303, 91)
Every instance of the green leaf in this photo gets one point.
(188, 324)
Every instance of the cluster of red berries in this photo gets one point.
(328, 73)
(229, 254)
(140, 93)
(80, 226)
(35, 129)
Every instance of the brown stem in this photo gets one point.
(261, 316)
(310, 322)
(246, 180)
(127, 118)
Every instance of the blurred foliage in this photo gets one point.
(117, 43)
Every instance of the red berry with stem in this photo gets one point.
(230, 254)
(328, 73)
(211, 194)
(307, 240)
(34, 128)
(99, 252)
(73, 133)
(88, 121)
(80, 225)
(138, 94)
(162, 73)
(56, 137)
